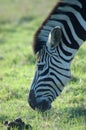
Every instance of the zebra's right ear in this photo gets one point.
(54, 37)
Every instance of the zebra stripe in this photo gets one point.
(53, 64)
(76, 2)
(67, 19)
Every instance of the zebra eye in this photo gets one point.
(40, 66)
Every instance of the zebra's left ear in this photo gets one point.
(54, 37)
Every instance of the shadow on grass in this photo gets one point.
(3, 118)
(25, 19)
(6, 26)
(67, 115)
(17, 21)
(9, 27)
(75, 112)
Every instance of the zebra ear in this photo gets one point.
(54, 37)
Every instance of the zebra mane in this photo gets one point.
(39, 41)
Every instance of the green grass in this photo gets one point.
(18, 23)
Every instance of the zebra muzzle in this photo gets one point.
(40, 104)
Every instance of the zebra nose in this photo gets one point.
(43, 104)
(40, 104)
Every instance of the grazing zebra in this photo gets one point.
(56, 43)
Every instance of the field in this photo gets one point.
(19, 19)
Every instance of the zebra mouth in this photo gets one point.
(40, 104)
(43, 104)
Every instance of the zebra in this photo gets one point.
(55, 44)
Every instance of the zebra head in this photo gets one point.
(47, 83)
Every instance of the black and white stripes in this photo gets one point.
(56, 42)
